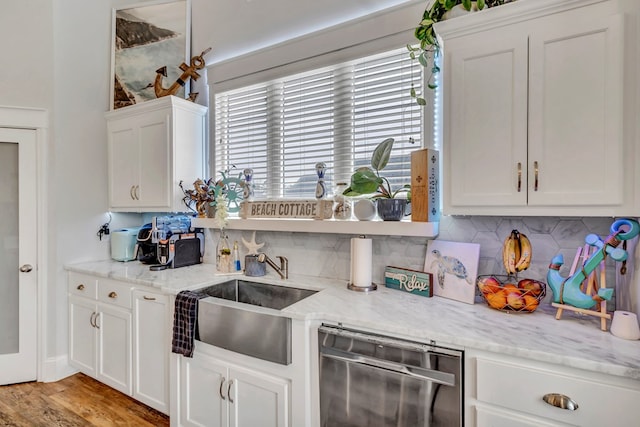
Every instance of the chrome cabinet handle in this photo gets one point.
(220, 389)
(535, 174)
(560, 401)
(26, 268)
(92, 319)
(113, 295)
(519, 176)
(131, 192)
(229, 391)
(149, 298)
(136, 192)
(80, 287)
(95, 321)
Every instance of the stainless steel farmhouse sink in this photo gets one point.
(264, 334)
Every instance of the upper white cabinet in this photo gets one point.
(152, 147)
(536, 100)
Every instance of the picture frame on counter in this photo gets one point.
(144, 38)
(454, 266)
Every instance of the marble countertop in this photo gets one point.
(574, 340)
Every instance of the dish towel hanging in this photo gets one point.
(184, 322)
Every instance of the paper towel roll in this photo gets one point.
(361, 261)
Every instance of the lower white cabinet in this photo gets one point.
(100, 330)
(507, 391)
(216, 394)
(120, 336)
(151, 345)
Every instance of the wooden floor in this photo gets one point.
(74, 401)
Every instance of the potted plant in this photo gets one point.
(367, 181)
(428, 46)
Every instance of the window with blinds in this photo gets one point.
(335, 115)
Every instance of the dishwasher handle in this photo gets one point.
(438, 377)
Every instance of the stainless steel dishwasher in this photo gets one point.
(373, 380)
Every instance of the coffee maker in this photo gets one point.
(170, 242)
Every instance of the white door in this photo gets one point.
(18, 272)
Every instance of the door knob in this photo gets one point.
(26, 268)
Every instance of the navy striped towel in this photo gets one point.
(184, 322)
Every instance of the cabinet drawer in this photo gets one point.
(117, 293)
(521, 388)
(83, 285)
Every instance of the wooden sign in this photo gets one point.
(412, 281)
(425, 185)
(294, 208)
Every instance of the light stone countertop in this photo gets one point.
(575, 340)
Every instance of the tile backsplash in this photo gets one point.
(328, 255)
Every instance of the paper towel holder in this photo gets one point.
(369, 288)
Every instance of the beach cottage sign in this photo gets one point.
(294, 208)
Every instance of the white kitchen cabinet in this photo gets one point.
(534, 110)
(217, 393)
(120, 335)
(151, 346)
(508, 391)
(100, 330)
(153, 146)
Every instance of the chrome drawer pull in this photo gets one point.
(220, 389)
(229, 391)
(80, 287)
(92, 319)
(149, 298)
(113, 295)
(535, 172)
(519, 177)
(560, 401)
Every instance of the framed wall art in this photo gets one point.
(145, 38)
(454, 267)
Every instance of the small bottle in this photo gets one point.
(342, 207)
(247, 191)
(321, 189)
(223, 254)
(236, 257)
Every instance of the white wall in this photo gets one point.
(26, 58)
(56, 55)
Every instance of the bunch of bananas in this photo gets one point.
(516, 252)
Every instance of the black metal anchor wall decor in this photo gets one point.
(188, 71)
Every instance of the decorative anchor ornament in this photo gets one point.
(188, 71)
(567, 291)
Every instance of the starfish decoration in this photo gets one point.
(252, 246)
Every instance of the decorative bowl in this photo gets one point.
(506, 293)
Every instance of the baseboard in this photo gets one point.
(55, 369)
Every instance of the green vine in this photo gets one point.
(427, 51)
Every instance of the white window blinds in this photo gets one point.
(336, 115)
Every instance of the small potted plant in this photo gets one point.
(367, 181)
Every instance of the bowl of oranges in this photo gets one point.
(509, 294)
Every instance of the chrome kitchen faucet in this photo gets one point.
(283, 270)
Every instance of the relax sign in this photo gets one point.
(412, 281)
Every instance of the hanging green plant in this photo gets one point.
(427, 50)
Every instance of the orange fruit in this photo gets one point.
(530, 302)
(532, 287)
(497, 300)
(510, 287)
(515, 301)
(488, 285)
